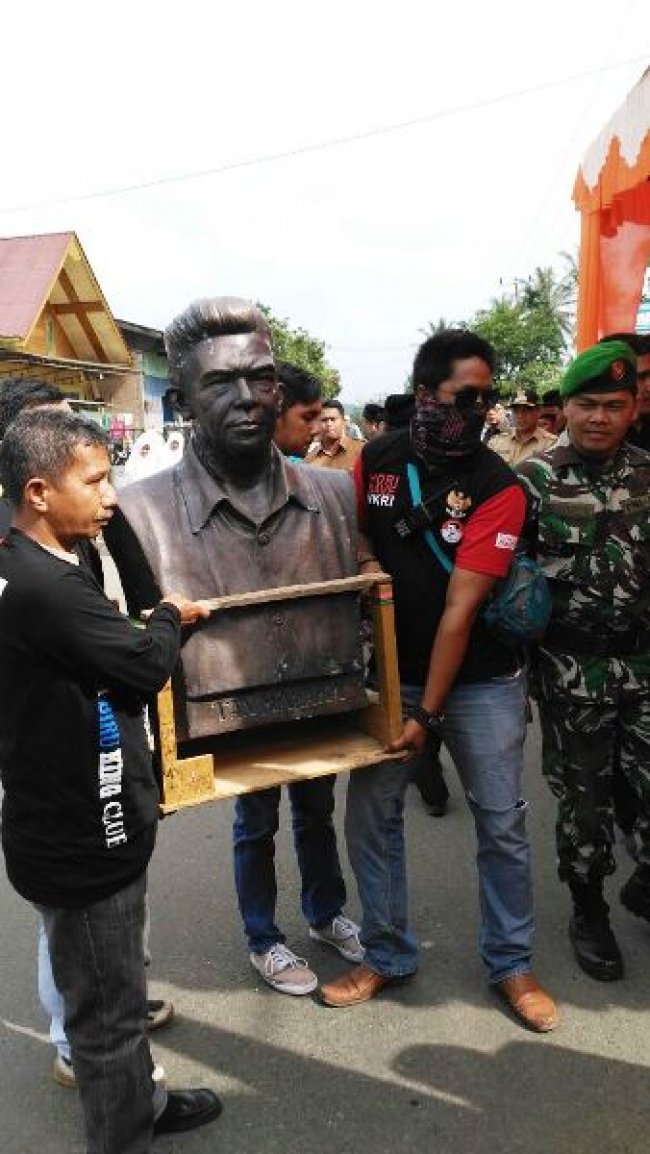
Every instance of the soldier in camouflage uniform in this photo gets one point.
(591, 493)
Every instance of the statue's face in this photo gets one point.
(231, 387)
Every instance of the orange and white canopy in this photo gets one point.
(612, 192)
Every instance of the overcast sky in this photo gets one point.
(361, 243)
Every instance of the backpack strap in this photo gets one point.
(416, 497)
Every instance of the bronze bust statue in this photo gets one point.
(233, 516)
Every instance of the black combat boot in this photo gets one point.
(635, 894)
(594, 944)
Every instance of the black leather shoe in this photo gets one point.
(595, 946)
(187, 1109)
(635, 894)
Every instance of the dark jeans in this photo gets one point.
(98, 964)
(322, 893)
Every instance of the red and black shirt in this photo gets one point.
(476, 513)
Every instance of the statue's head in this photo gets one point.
(221, 358)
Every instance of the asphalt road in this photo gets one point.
(436, 1065)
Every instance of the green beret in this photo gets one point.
(601, 369)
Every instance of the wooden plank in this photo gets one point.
(276, 763)
(289, 592)
(383, 718)
(74, 308)
(190, 778)
(82, 318)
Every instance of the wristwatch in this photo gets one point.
(430, 722)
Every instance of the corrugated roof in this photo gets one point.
(28, 267)
(49, 276)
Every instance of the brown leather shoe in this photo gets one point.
(358, 985)
(532, 1005)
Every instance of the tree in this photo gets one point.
(528, 341)
(531, 331)
(543, 292)
(298, 346)
(433, 327)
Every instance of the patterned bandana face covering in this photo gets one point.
(442, 432)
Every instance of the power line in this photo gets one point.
(320, 146)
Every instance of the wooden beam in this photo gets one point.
(383, 719)
(89, 332)
(290, 592)
(316, 748)
(77, 307)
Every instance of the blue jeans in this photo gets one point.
(322, 893)
(484, 730)
(374, 832)
(50, 998)
(98, 965)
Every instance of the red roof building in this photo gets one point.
(55, 322)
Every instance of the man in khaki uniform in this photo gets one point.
(527, 437)
(334, 449)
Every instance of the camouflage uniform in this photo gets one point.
(593, 671)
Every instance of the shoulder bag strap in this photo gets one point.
(416, 497)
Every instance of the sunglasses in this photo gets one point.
(470, 398)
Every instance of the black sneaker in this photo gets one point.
(186, 1110)
(595, 947)
(635, 894)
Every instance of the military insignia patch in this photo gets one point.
(617, 370)
(458, 505)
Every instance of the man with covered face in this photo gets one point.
(436, 487)
(233, 516)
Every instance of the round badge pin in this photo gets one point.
(451, 532)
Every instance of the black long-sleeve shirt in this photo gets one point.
(77, 825)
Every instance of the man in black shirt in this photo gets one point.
(442, 514)
(17, 395)
(80, 798)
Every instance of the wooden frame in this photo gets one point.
(256, 759)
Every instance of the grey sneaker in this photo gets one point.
(341, 934)
(284, 971)
(63, 1073)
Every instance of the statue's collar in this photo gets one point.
(203, 491)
